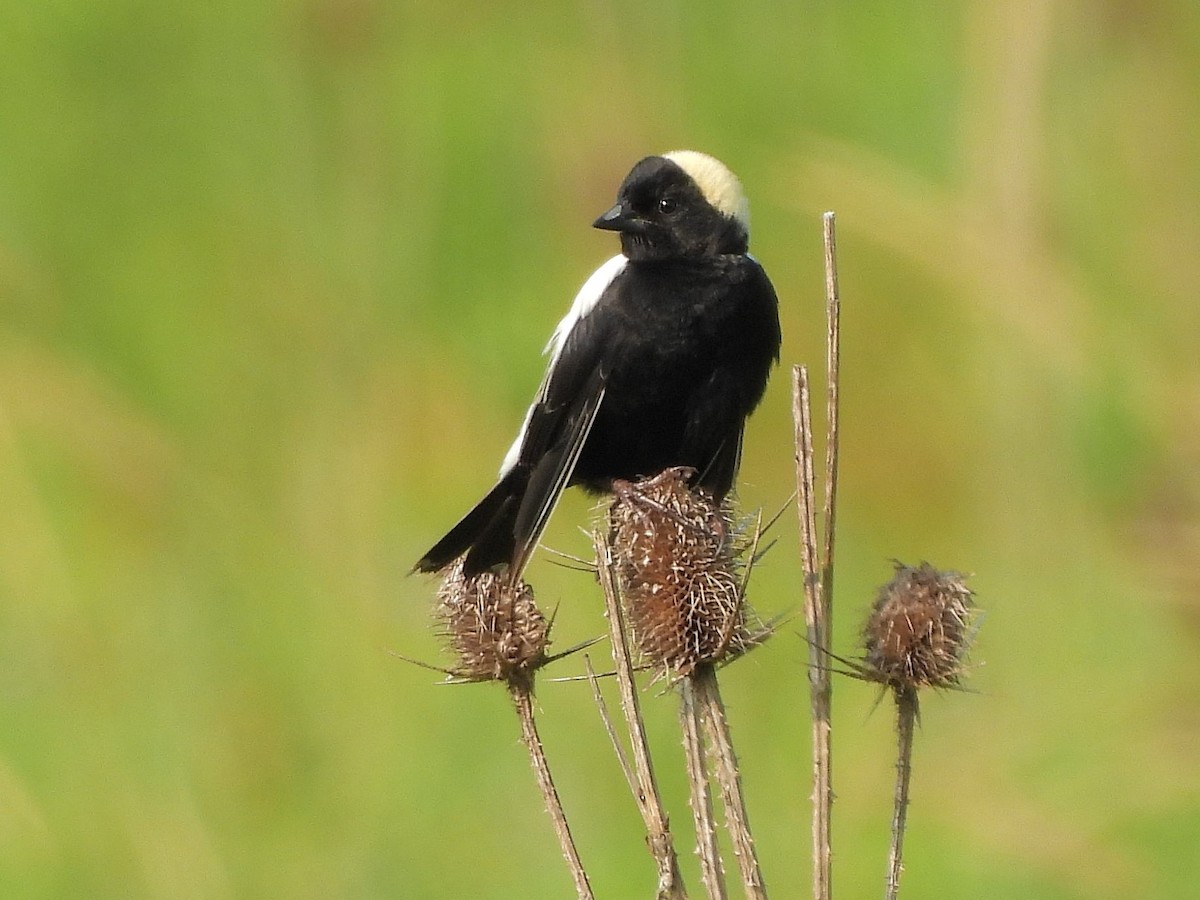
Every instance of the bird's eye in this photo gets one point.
(667, 206)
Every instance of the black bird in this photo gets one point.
(662, 356)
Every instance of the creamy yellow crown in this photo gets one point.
(719, 186)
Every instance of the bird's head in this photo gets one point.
(679, 205)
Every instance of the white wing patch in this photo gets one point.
(585, 301)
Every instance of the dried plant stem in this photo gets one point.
(823, 614)
(819, 682)
(833, 361)
(609, 729)
(700, 796)
(833, 357)
(720, 740)
(906, 719)
(662, 846)
(522, 695)
(818, 574)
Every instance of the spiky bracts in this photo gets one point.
(680, 563)
(920, 629)
(493, 628)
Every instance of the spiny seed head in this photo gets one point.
(920, 629)
(678, 554)
(494, 628)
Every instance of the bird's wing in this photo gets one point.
(558, 422)
(567, 332)
(552, 471)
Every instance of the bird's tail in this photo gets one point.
(486, 534)
(504, 527)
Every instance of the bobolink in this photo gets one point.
(662, 356)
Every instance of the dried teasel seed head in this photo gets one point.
(494, 629)
(920, 629)
(678, 558)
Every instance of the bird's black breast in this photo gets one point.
(685, 349)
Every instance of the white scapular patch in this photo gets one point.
(719, 186)
(585, 301)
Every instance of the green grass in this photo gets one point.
(273, 282)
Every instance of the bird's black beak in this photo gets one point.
(618, 219)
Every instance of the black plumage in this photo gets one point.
(665, 352)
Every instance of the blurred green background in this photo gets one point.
(274, 279)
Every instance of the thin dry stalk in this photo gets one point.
(649, 801)
(720, 741)
(818, 583)
(522, 695)
(906, 719)
(700, 796)
(609, 729)
(833, 370)
(833, 356)
(819, 681)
